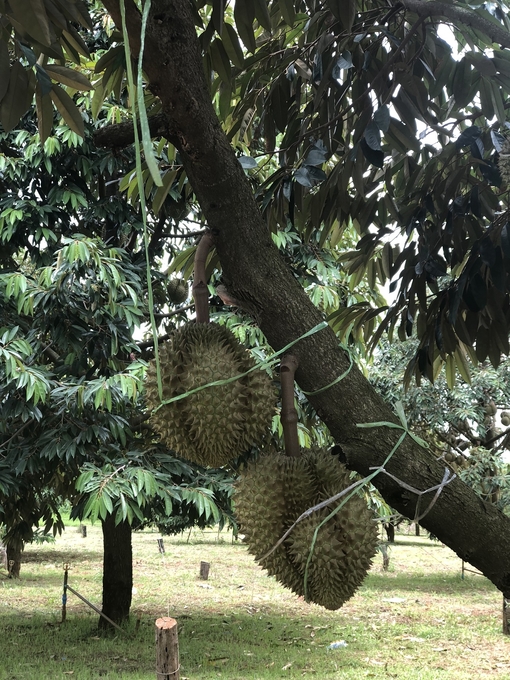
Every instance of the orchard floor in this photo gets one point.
(418, 620)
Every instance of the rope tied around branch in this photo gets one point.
(437, 488)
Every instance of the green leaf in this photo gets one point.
(382, 118)
(244, 14)
(5, 68)
(17, 98)
(220, 60)
(67, 109)
(247, 162)
(373, 156)
(262, 14)
(450, 371)
(31, 15)
(68, 76)
(44, 109)
(372, 136)
(462, 364)
(344, 11)
(232, 46)
(287, 11)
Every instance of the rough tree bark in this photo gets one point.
(117, 571)
(256, 275)
(14, 550)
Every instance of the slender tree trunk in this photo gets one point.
(390, 532)
(117, 571)
(256, 275)
(14, 550)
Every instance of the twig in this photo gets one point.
(289, 417)
(200, 290)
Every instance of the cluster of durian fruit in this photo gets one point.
(215, 423)
(271, 495)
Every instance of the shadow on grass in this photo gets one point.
(236, 646)
(432, 583)
(61, 556)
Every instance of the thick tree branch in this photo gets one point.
(257, 276)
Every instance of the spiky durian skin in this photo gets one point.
(273, 492)
(268, 497)
(216, 424)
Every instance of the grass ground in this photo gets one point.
(418, 620)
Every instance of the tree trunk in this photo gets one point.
(117, 571)
(390, 532)
(14, 549)
(256, 275)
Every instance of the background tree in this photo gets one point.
(464, 424)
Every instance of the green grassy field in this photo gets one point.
(418, 620)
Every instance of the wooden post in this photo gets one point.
(161, 546)
(64, 593)
(167, 649)
(204, 570)
(83, 530)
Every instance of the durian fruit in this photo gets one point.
(215, 424)
(505, 418)
(345, 545)
(267, 495)
(177, 291)
(490, 408)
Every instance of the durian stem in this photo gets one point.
(200, 290)
(289, 416)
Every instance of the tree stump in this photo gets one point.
(167, 649)
(204, 570)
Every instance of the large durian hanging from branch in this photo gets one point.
(326, 567)
(218, 423)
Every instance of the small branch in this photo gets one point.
(289, 417)
(191, 234)
(200, 290)
(175, 312)
(150, 343)
(120, 135)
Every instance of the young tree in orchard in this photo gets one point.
(316, 117)
(70, 387)
(464, 424)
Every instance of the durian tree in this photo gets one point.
(466, 424)
(311, 118)
(72, 291)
